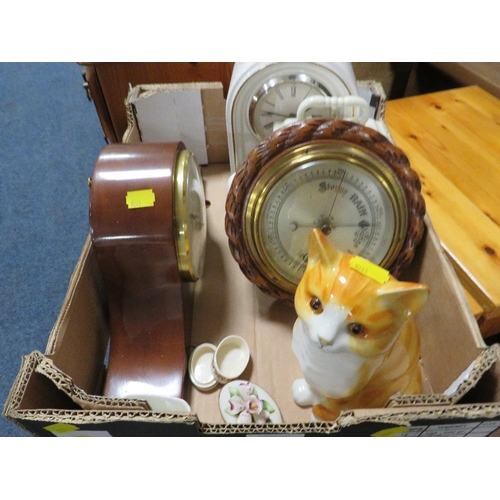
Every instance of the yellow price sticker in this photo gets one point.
(393, 431)
(142, 198)
(61, 428)
(369, 269)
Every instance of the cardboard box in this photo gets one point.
(57, 392)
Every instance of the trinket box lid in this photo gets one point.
(200, 371)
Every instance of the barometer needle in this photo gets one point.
(336, 194)
(296, 225)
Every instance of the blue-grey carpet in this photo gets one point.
(50, 137)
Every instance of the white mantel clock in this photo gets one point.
(263, 96)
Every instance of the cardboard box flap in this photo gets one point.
(373, 92)
(454, 420)
(443, 421)
(32, 391)
(467, 380)
(79, 339)
(62, 387)
(193, 113)
(450, 336)
(42, 392)
(86, 401)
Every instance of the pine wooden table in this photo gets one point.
(452, 139)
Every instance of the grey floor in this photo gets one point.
(50, 137)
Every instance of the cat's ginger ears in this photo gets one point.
(406, 297)
(403, 296)
(321, 250)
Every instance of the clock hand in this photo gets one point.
(272, 113)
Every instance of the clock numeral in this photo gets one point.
(280, 95)
(293, 91)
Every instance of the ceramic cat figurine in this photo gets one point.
(354, 338)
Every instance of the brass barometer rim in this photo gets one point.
(299, 158)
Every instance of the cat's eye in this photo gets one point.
(316, 305)
(355, 328)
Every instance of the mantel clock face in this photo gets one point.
(190, 216)
(345, 179)
(263, 95)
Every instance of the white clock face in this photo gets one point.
(279, 98)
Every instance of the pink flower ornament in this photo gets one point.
(245, 404)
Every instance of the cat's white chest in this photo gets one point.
(325, 357)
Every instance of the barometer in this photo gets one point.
(346, 179)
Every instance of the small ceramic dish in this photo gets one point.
(230, 359)
(200, 367)
(242, 402)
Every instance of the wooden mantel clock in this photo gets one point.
(346, 179)
(148, 228)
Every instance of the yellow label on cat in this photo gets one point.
(369, 269)
(140, 199)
